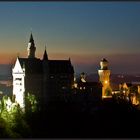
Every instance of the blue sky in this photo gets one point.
(84, 31)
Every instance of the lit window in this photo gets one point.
(51, 77)
(75, 85)
(63, 87)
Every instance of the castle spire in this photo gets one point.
(45, 56)
(31, 47)
(31, 38)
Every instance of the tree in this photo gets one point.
(108, 92)
(13, 124)
(31, 103)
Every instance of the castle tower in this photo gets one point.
(31, 47)
(19, 83)
(45, 56)
(45, 77)
(104, 78)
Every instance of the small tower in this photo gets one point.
(31, 47)
(45, 56)
(104, 78)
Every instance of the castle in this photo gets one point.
(46, 79)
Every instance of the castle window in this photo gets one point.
(51, 77)
(18, 79)
(63, 87)
(63, 76)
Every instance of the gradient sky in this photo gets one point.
(84, 31)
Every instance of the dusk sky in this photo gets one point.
(84, 31)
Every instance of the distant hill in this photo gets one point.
(116, 78)
(5, 69)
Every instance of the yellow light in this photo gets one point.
(106, 82)
(83, 80)
(106, 97)
(75, 85)
(123, 91)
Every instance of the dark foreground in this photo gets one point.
(106, 119)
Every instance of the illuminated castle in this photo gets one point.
(104, 78)
(46, 79)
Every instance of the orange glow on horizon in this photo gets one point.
(7, 58)
(75, 58)
(10, 58)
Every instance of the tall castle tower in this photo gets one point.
(18, 73)
(31, 47)
(19, 83)
(104, 78)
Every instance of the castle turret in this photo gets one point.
(19, 83)
(45, 56)
(31, 47)
(104, 78)
(45, 78)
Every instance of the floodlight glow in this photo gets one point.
(8, 104)
(83, 80)
(75, 85)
